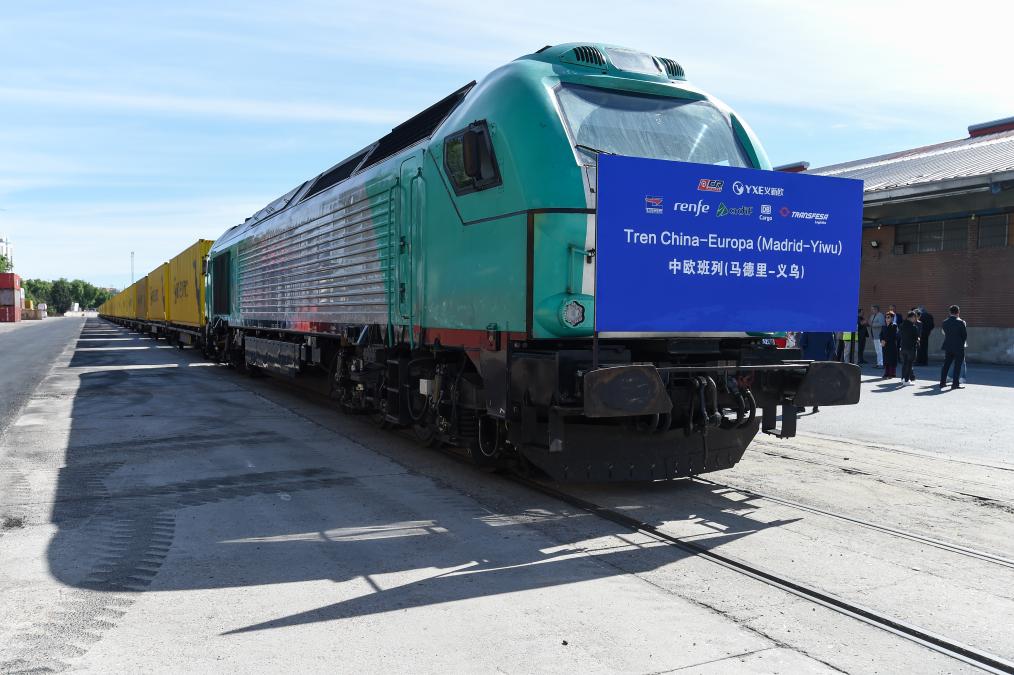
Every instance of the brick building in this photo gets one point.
(938, 229)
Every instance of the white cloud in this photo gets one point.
(251, 109)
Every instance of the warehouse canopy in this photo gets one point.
(978, 168)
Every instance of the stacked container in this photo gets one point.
(10, 297)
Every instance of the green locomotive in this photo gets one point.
(443, 278)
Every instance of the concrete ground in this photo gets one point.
(975, 423)
(161, 514)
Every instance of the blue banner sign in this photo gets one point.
(687, 247)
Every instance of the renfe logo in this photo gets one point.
(689, 207)
(710, 185)
(653, 205)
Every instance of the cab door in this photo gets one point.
(410, 217)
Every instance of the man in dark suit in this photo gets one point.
(955, 336)
(922, 358)
(908, 336)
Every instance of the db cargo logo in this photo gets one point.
(710, 185)
(653, 204)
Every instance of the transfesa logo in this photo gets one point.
(710, 185)
(652, 204)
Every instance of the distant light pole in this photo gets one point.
(131, 268)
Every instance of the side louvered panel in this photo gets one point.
(331, 268)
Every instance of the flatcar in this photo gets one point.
(443, 279)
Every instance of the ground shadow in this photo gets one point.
(126, 480)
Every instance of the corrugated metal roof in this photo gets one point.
(963, 158)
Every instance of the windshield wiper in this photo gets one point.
(594, 151)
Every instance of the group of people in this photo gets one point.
(907, 339)
(896, 338)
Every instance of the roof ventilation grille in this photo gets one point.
(590, 55)
(673, 69)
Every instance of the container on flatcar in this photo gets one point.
(158, 284)
(128, 301)
(140, 300)
(186, 291)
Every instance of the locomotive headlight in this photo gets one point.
(573, 313)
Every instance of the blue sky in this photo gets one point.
(141, 126)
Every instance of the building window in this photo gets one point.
(993, 231)
(955, 235)
(938, 235)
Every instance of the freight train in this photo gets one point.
(443, 279)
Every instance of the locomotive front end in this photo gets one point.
(648, 354)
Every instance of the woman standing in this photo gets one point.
(889, 343)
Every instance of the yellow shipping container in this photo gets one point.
(127, 304)
(186, 277)
(158, 283)
(141, 299)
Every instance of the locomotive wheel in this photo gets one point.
(427, 435)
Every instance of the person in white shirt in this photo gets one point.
(877, 323)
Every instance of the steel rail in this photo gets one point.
(989, 662)
(922, 539)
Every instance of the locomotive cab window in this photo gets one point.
(469, 159)
(220, 284)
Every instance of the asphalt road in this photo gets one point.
(27, 352)
(975, 423)
(162, 514)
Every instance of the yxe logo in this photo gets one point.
(652, 204)
(740, 188)
(710, 185)
(724, 210)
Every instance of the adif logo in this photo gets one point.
(740, 188)
(724, 210)
(653, 205)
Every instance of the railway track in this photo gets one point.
(926, 479)
(911, 536)
(984, 660)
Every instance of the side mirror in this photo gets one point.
(471, 153)
(205, 264)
